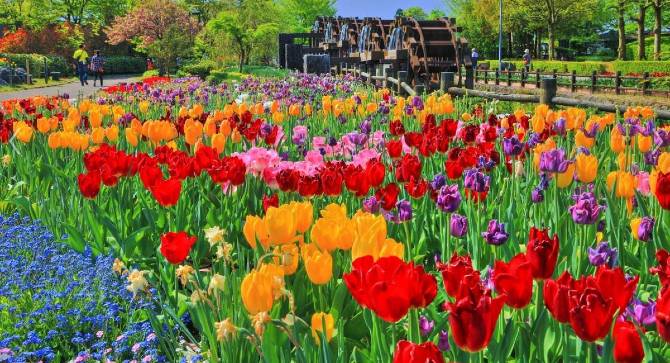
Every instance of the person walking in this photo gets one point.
(527, 60)
(475, 58)
(81, 57)
(97, 67)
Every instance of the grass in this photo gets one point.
(631, 48)
(37, 83)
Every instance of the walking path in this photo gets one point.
(73, 89)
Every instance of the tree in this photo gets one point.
(304, 12)
(398, 12)
(640, 19)
(658, 5)
(558, 15)
(161, 28)
(436, 14)
(247, 25)
(415, 12)
(621, 29)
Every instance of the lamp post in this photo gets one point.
(500, 35)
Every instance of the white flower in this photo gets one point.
(217, 283)
(137, 282)
(214, 235)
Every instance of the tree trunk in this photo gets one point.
(509, 45)
(538, 45)
(641, 49)
(551, 40)
(658, 23)
(621, 29)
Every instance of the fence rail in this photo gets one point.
(548, 86)
(594, 82)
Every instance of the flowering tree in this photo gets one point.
(161, 28)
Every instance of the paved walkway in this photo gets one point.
(73, 89)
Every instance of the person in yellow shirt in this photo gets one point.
(81, 58)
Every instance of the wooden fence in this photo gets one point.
(593, 83)
(548, 86)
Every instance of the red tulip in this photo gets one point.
(454, 169)
(663, 315)
(514, 280)
(390, 286)
(89, 184)
(394, 148)
(662, 191)
(454, 272)
(408, 167)
(388, 196)
(287, 180)
(396, 127)
(167, 192)
(150, 174)
(175, 246)
(627, 343)
(663, 268)
(408, 352)
(270, 201)
(331, 181)
(309, 185)
(236, 170)
(555, 294)
(612, 284)
(375, 171)
(473, 317)
(416, 189)
(356, 180)
(591, 313)
(542, 253)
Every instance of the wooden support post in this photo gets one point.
(555, 74)
(387, 73)
(617, 83)
(469, 78)
(460, 77)
(645, 83)
(537, 78)
(497, 77)
(573, 81)
(420, 89)
(372, 71)
(523, 77)
(548, 91)
(29, 78)
(509, 78)
(46, 71)
(446, 81)
(402, 77)
(594, 80)
(486, 76)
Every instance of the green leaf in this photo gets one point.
(74, 238)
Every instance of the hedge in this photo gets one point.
(113, 64)
(36, 61)
(586, 68)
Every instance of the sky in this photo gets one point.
(382, 8)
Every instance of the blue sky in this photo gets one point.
(384, 8)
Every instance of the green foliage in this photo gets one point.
(150, 73)
(586, 68)
(124, 65)
(639, 67)
(631, 48)
(36, 61)
(217, 76)
(416, 12)
(300, 14)
(201, 68)
(436, 14)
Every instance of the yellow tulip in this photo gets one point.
(563, 180)
(98, 135)
(624, 161)
(281, 224)
(586, 167)
(617, 141)
(261, 287)
(644, 143)
(95, 119)
(581, 140)
(318, 320)
(304, 214)
(43, 125)
(663, 164)
(332, 233)
(254, 229)
(112, 133)
(466, 117)
(144, 106)
(287, 256)
(319, 265)
(625, 183)
(334, 211)
(219, 142)
(635, 226)
(22, 131)
(132, 137)
(54, 140)
(278, 117)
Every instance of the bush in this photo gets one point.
(200, 69)
(151, 73)
(124, 65)
(639, 67)
(36, 62)
(217, 76)
(631, 48)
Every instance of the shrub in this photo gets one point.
(151, 73)
(200, 69)
(57, 304)
(217, 76)
(124, 65)
(639, 67)
(36, 62)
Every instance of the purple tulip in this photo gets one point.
(371, 205)
(553, 161)
(425, 326)
(643, 313)
(603, 255)
(458, 225)
(651, 157)
(443, 341)
(439, 180)
(476, 181)
(537, 195)
(645, 229)
(449, 198)
(661, 138)
(299, 135)
(512, 146)
(495, 233)
(559, 126)
(586, 209)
